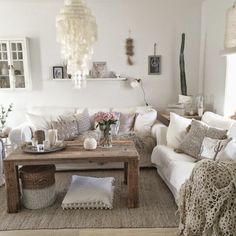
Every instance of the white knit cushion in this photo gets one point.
(176, 130)
(83, 121)
(89, 193)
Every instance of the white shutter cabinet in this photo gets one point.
(14, 64)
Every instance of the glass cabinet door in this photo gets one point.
(4, 66)
(18, 64)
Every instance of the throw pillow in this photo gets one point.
(192, 141)
(144, 121)
(83, 121)
(177, 130)
(212, 148)
(66, 130)
(126, 122)
(217, 121)
(38, 122)
(89, 193)
(229, 152)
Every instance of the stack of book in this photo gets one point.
(178, 108)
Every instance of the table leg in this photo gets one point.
(12, 187)
(125, 172)
(133, 184)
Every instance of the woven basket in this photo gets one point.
(38, 186)
(37, 177)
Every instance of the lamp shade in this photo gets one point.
(76, 33)
(230, 31)
(134, 84)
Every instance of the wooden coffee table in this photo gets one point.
(122, 151)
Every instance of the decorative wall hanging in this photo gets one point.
(76, 33)
(230, 32)
(183, 82)
(130, 49)
(154, 63)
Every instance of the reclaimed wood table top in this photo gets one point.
(121, 151)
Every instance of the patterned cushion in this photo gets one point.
(212, 148)
(126, 122)
(67, 130)
(192, 142)
(83, 121)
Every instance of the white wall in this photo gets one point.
(160, 21)
(213, 73)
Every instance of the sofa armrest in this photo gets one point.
(20, 134)
(159, 131)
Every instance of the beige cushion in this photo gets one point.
(192, 142)
(126, 122)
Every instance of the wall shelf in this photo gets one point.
(95, 79)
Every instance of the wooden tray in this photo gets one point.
(33, 150)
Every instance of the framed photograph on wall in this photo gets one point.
(58, 72)
(154, 65)
(99, 70)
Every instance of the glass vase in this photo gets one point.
(106, 139)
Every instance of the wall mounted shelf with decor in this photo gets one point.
(95, 79)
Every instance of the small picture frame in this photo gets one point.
(99, 70)
(58, 72)
(40, 148)
(154, 65)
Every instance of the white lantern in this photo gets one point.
(76, 32)
(230, 32)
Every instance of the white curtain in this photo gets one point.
(230, 86)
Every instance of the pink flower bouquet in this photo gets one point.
(105, 118)
(104, 121)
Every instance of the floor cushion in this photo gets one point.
(89, 193)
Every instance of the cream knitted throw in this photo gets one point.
(207, 204)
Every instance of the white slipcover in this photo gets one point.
(2, 156)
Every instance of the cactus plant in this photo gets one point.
(182, 68)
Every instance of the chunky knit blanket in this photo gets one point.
(207, 204)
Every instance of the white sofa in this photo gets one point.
(175, 168)
(145, 123)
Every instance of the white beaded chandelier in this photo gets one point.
(76, 33)
(230, 33)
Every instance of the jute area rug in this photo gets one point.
(157, 207)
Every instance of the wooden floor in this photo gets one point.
(92, 232)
